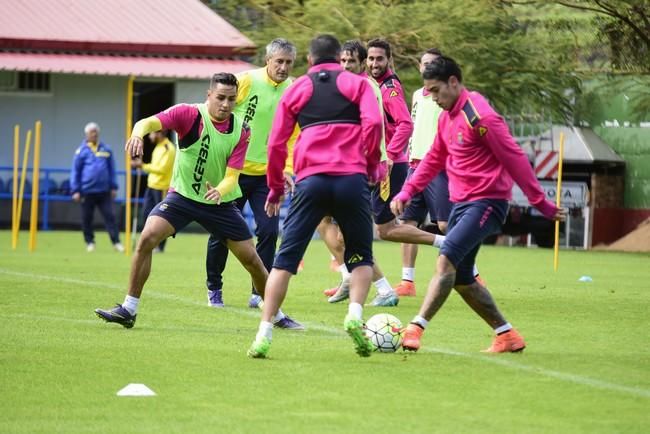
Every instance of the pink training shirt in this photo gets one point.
(480, 155)
(398, 125)
(180, 118)
(334, 148)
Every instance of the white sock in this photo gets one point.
(345, 274)
(131, 304)
(265, 331)
(278, 316)
(417, 319)
(502, 329)
(438, 241)
(475, 271)
(408, 274)
(355, 311)
(383, 287)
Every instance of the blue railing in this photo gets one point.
(49, 189)
(52, 191)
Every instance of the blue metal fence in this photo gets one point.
(49, 189)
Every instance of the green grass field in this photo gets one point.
(586, 368)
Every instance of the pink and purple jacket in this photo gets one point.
(481, 157)
(180, 118)
(332, 148)
(398, 125)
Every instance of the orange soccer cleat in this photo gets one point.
(412, 336)
(508, 342)
(406, 288)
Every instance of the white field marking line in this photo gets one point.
(252, 313)
(578, 379)
(95, 322)
(572, 378)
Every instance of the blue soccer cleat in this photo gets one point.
(288, 324)
(215, 298)
(385, 300)
(118, 315)
(255, 302)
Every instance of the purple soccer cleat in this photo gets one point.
(215, 298)
(255, 302)
(117, 315)
(288, 324)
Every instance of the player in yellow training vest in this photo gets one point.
(257, 98)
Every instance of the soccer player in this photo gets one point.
(482, 160)
(159, 171)
(212, 144)
(336, 155)
(257, 98)
(398, 128)
(353, 58)
(435, 197)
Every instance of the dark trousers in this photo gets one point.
(104, 202)
(469, 224)
(152, 198)
(254, 191)
(344, 197)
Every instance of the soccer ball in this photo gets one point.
(385, 332)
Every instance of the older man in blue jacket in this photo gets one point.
(92, 182)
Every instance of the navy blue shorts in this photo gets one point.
(223, 221)
(433, 200)
(347, 199)
(469, 224)
(380, 208)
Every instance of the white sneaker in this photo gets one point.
(118, 247)
(90, 247)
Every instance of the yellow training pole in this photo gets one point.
(15, 221)
(558, 197)
(127, 165)
(36, 173)
(23, 175)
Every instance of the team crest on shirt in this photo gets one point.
(162, 207)
(459, 138)
(482, 131)
(393, 93)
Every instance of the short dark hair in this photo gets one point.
(434, 51)
(324, 47)
(441, 69)
(224, 78)
(355, 46)
(380, 43)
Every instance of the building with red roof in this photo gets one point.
(69, 62)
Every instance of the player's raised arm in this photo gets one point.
(497, 137)
(432, 163)
(134, 145)
(284, 124)
(371, 129)
(395, 107)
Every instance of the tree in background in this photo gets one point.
(520, 68)
(613, 46)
